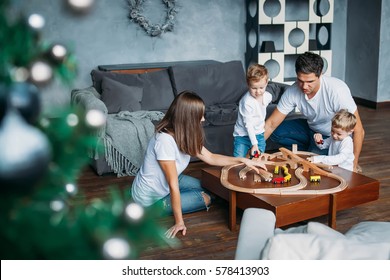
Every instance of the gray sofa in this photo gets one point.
(152, 87)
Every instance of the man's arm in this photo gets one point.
(358, 137)
(273, 122)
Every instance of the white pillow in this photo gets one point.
(313, 228)
(323, 230)
(370, 232)
(302, 246)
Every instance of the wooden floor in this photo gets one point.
(208, 236)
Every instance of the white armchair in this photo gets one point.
(258, 239)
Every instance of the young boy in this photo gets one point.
(249, 128)
(340, 143)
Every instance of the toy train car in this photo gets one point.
(281, 180)
(315, 178)
(278, 180)
(255, 155)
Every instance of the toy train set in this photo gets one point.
(307, 176)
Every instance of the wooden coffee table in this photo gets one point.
(290, 209)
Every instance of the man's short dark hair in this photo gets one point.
(309, 62)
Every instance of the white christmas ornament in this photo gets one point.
(116, 248)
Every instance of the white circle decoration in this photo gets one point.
(323, 35)
(252, 38)
(272, 8)
(252, 8)
(135, 7)
(321, 7)
(296, 37)
(273, 68)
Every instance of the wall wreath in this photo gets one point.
(152, 29)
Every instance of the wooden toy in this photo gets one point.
(279, 180)
(315, 178)
(286, 159)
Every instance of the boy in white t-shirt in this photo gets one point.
(249, 128)
(340, 144)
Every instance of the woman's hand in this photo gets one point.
(253, 163)
(171, 233)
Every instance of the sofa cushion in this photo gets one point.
(217, 83)
(120, 97)
(276, 90)
(157, 89)
(221, 114)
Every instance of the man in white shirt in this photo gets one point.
(318, 98)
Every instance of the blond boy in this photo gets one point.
(340, 143)
(249, 128)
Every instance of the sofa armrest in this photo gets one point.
(89, 99)
(257, 226)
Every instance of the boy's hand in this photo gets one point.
(318, 138)
(255, 152)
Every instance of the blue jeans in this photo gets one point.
(190, 195)
(297, 132)
(242, 144)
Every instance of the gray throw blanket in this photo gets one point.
(126, 139)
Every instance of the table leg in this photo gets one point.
(232, 210)
(332, 211)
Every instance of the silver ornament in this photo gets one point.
(25, 152)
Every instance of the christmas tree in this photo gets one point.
(42, 157)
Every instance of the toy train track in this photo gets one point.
(292, 159)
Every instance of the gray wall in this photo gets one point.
(338, 38)
(384, 54)
(204, 30)
(368, 49)
(363, 47)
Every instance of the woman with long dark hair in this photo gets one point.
(178, 136)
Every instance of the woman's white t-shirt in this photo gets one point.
(150, 184)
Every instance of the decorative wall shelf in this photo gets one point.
(279, 30)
